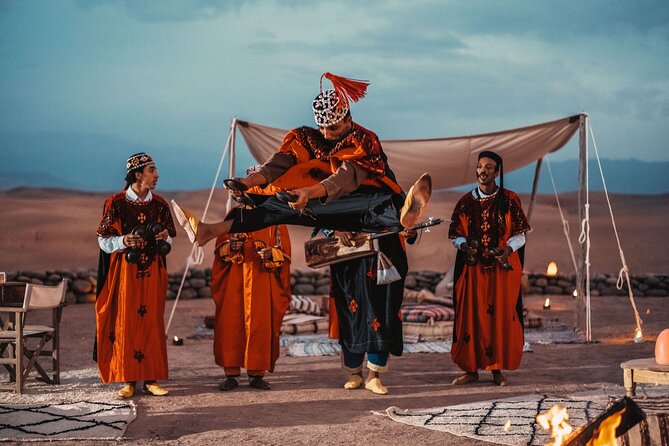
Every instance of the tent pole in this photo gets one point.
(580, 322)
(233, 153)
(535, 184)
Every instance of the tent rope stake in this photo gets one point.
(624, 270)
(565, 223)
(196, 255)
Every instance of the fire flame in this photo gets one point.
(575, 293)
(547, 303)
(638, 337)
(552, 269)
(605, 434)
(507, 426)
(556, 420)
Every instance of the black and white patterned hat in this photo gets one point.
(328, 108)
(331, 106)
(137, 161)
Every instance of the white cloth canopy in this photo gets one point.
(451, 161)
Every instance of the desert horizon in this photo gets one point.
(52, 229)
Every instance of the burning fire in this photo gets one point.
(556, 420)
(552, 269)
(605, 435)
(547, 304)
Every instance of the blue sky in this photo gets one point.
(171, 74)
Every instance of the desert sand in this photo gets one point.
(55, 230)
(45, 229)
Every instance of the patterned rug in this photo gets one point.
(486, 420)
(81, 407)
(67, 421)
(322, 345)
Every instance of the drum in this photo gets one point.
(330, 250)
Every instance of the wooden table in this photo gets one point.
(645, 371)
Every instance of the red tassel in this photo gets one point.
(347, 89)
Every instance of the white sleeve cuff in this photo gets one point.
(111, 244)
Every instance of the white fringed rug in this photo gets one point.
(67, 421)
(485, 420)
(81, 407)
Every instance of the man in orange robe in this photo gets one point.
(250, 283)
(132, 282)
(488, 229)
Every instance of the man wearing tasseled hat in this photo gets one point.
(337, 177)
(488, 229)
(134, 236)
(340, 175)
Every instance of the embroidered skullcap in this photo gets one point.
(137, 161)
(332, 105)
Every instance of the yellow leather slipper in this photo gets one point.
(416, 201)
(375, 386)
(155, 389)
(127, 391)
(354, 382)
(186, 220)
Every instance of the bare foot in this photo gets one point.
(204, 234)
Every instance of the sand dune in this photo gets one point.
(51, 229)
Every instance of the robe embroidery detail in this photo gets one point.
(353, 305)
(376, 324)
(139, 356)
(142, 310)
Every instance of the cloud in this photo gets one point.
(170, 10)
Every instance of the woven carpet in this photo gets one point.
(66, 421)
(485, 420)
(79, 408)
(322, 345)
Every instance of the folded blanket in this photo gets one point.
(426, 313)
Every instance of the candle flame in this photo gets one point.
(547, 304)
(552, 269)
(575, 293)
(176, 338)
(638, 337)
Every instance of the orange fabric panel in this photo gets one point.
(250, 304)
(334, 320)
(130, 311)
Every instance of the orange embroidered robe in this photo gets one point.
(488, 331)
(129, 309)
(318, 158)
(251, 300)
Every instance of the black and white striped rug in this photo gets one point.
(509, 421)
(66, 421)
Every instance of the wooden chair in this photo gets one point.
(26, 343)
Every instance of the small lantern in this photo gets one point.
(552, 269)
(547, 304)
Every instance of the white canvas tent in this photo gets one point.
(452, 160)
